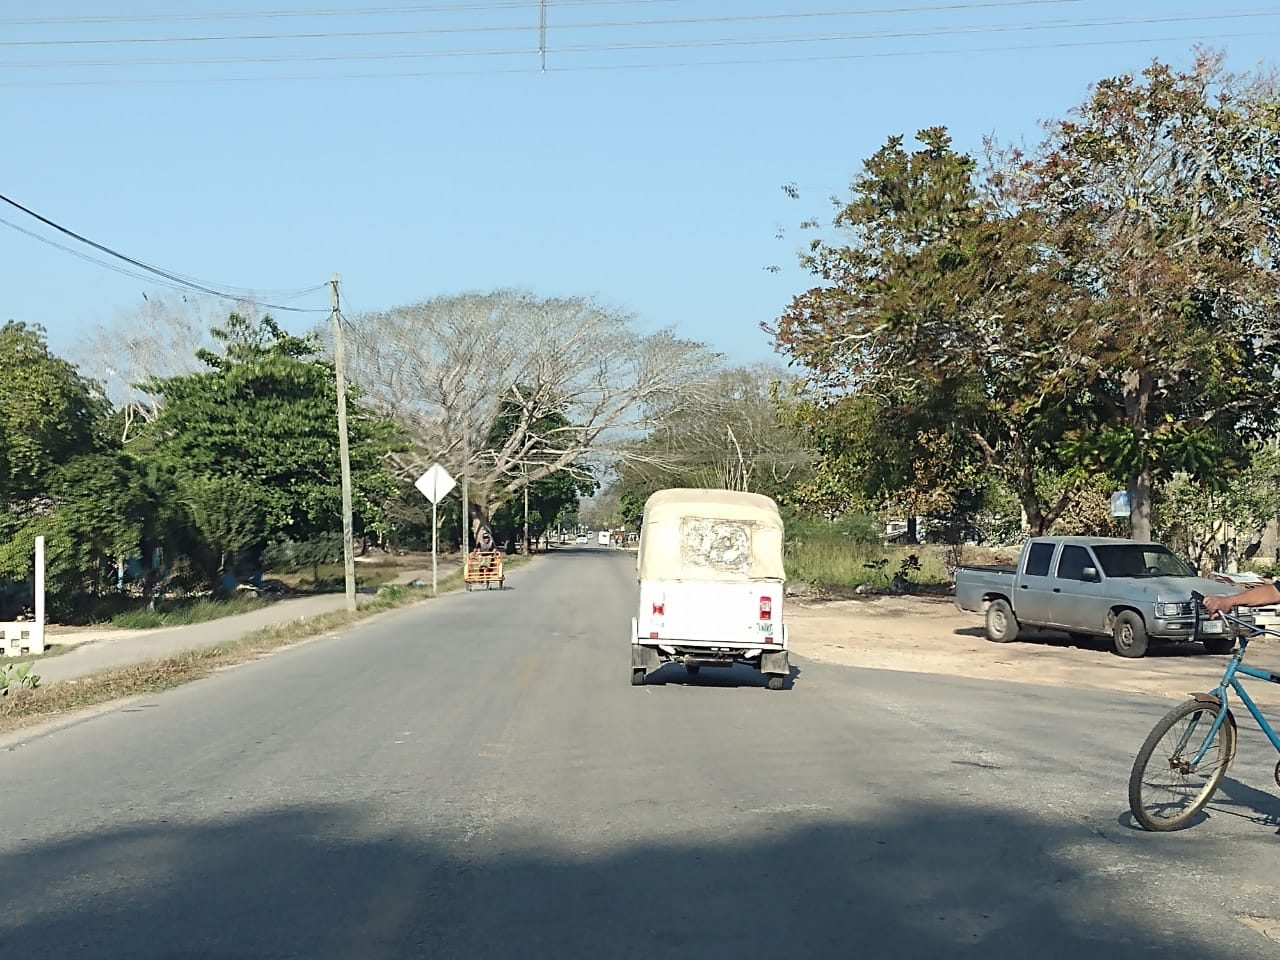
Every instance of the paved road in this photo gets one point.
(476, 778)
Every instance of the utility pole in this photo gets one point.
(526, 516)
(466, 502)
(344, 454)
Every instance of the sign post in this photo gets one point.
(435, 485)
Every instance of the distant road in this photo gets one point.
(474, 777)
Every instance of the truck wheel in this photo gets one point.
(637, 678)
(775, 681)
(1130, 635)
(1002, 626)
(1219, 644)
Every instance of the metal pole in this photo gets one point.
(344, 455)
(526, 519)
(434, 531)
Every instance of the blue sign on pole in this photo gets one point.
(1120, 503)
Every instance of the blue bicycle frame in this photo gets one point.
(1231, 681)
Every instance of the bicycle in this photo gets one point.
(1191, 767)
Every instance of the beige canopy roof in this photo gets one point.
(710, 535)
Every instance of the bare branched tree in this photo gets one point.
(735, 440)
(572, 382)
(158, 339)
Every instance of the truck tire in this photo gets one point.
(1129, 635)
(1002, 625)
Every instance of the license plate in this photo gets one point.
(1211, 626)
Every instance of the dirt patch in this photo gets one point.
(929, 635)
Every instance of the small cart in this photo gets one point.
(483, 566)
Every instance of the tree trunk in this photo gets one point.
(1140, 506)
(1138, 387)
(480, 526)
(913, 530)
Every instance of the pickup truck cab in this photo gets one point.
(1130, 591)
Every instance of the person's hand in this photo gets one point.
(1215, 605)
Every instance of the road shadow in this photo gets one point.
(1238, 799)
(1232, 799)
(738, 675)
(1064, 641)
(423, 879)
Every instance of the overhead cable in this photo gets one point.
(174, 279)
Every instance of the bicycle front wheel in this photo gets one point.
(1165, 789)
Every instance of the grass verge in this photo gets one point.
(180, 615)
(849, 563)
(50, 650)
(28, 707)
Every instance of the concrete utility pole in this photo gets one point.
(466, 501)
(344, 454)
(526, 517)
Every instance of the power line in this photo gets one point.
(175, 280)
(684, 44)
(528, 28)
(329, 12)
(664, 65)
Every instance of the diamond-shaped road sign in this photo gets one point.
(435, 484)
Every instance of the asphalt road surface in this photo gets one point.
(475, 777)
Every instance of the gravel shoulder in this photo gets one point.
(929, 635)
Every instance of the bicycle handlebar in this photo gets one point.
(1254, 630)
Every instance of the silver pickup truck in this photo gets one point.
(1130, 591)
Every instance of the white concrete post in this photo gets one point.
(37, 635)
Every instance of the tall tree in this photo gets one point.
(1161, 189)
(446, 369)
(96, 512)
(48, 412)
(736, 438)
(921, 342)
(263, 414)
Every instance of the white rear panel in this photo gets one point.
(712, 613)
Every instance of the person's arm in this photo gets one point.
(1259, 596)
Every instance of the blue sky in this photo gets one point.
(420, 149)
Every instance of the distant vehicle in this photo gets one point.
(582, 538)
(603, 538)
(711, 584)
(1131, 591)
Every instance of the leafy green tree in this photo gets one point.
(1214, 525)
(48, 412)
(263, 416)
(1160, 191)
(921, 341)
(98, 511)
(226, 513)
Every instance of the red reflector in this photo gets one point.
(658, 609)
(653, 635)
(766, 608)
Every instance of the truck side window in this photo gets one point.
(1038, 559)
(1072, 563)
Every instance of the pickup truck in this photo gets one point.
(1130, 591)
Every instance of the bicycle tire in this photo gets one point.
(1188, 791)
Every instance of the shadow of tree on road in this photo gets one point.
(335, 881)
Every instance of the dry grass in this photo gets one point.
(27, 708)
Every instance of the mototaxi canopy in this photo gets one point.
(710, 536)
